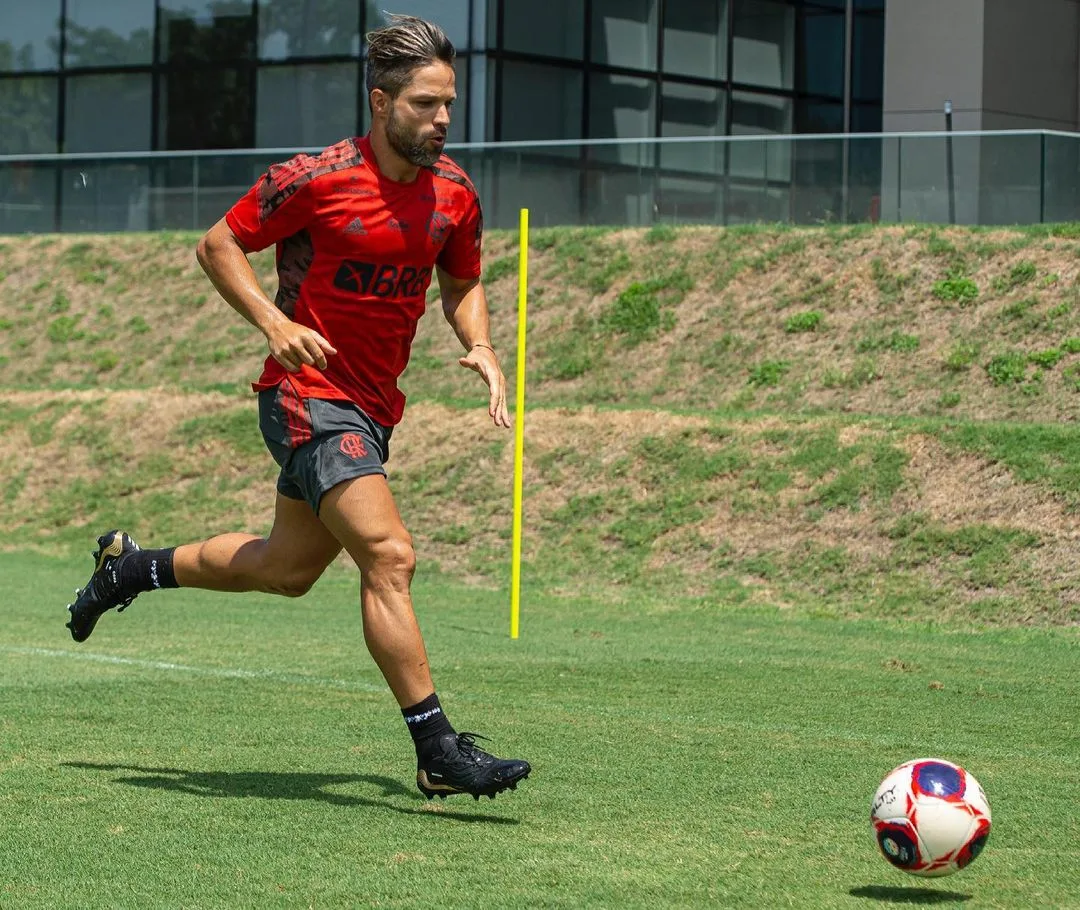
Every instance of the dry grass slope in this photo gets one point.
(843, 420)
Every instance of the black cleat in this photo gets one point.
(463, 767)
(102, 592)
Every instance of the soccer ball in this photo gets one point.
(930, 817)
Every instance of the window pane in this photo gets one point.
(27, 197)
(624, 33)
(693, 110)
(205, 31)
(695, 38)
(459, 116)
(540, 102)
(308, 28)
(819, 117)
(621, 107)
(764, 43)
(107, 113)
(559, 32)
(822, 53)
(29, 35)
(760, 115)
(305, 106)
(868, 58)
(206, 109)
(28, 110)
(109, 34)
(452, 16)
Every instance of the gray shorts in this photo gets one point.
(318, 443)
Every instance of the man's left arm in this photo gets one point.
(465, 307)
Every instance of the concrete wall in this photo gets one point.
(933, 53)
(1031, 64)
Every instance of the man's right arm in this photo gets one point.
(225, 260)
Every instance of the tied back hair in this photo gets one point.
(398, 49)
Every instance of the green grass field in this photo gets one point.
(206, 750)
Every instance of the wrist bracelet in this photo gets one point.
(481, 345)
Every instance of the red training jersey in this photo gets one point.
(355, 253)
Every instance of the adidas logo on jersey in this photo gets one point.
(356, 226)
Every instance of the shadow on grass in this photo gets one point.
(908, 895)
(285, 785)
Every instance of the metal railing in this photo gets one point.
(974, 178)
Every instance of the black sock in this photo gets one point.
(145, 570)
(426, 723)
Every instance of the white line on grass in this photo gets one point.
(220, 672)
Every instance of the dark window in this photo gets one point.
(29, 35)
(206, 31)
(819, 117)
(305, 106)
(559, 32)
(621, 107)
(696, 38)
(540, 102)
(28, 109)
(868, 58)
(693, 110)
(206, 109)
(118, 33)
(301, 28)
(822, 58)
(107, 113)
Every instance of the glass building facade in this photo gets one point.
(140, 75)
(103, 76)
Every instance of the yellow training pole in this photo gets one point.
(519, 422)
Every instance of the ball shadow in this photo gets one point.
(908, 895)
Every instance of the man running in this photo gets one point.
(359, 231)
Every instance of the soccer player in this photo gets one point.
(359, 231)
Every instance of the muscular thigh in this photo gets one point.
(363, 517)
(299, 543)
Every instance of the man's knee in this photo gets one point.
(392, 558)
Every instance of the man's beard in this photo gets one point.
(409, 145)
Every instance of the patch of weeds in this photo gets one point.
(454, 534)
(1018, 275)
(1071, 376)
(803, 322)
(237, 428)
(40, 285)
(643, 308)
(105, 361)
(5, 324)
(91, 278)
(768, 373)
(789, 247)
(1071, 345)
(105, 311)
(1020, 309)
(718, 352)
(1047, 359)
(60, 303)
(949, 400)
(660, 233)
(13, 488)
(138, 325)
(896, 341)
(956, 288)
(890, 286)
(1008, 369)
(1048, 281)
(961, 357)
(64, 329)
(500, 268)
(863, 372)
